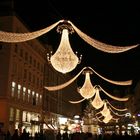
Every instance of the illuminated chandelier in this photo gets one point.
(97, 101)
(64, 60)
(107, 112)
(87, 90)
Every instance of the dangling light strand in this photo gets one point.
(61, 86)
(100, 45)
(22, 37)
(113, 97)
(118, 109)
(75, 102)
(129, 82)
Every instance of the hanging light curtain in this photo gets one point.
(117, 109)
(87, 90)
(58, 87)
(22, 37)
(102, 46)
(123, 83)
(75, 102)
(117, 114)
(64, 59)
(97, 101)
(113, 97)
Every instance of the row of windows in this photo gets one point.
(28, 58)
(25, 94)
(14, 115)
(27, 75)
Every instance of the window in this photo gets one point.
(29, 93)
(37, 98)
(41, 83)
(38, 66)
(13, 89)
(21, 52)
(26, 56)
(30, 59)
(40, 99)
(14, 70)
(17, 114)
(19, 91)
(11, 114)
(16, 48)
(37, 82)
(24, 116)
(25, 73)
(42, 68)
(24, 93)
(34, 63)
(29, 77)
(33, 98)
(33, 79)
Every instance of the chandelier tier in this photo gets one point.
(64, 60)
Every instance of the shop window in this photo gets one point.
(17, 114)
(11, 114)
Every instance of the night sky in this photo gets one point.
(114, 23)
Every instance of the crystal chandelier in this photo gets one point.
(97, 102)
(105, 112)
(64, 59)
(87, 90)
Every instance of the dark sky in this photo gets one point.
(114, 23)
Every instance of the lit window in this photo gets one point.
(37, 98)
(11, 114)
(33, 93)
(13, 89)
(24, 116)
(19, 90)
(29, 92)
(33, 98)
(28, 117)
(24, 93)
(17, 114)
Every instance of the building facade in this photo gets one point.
(24, 103)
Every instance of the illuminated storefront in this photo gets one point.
(31, 122)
